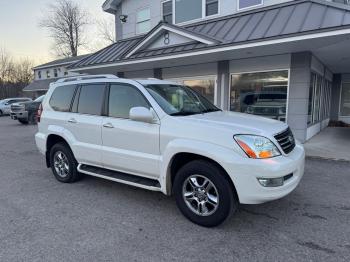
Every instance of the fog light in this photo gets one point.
(271, 182)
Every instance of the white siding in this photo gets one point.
(131, 7)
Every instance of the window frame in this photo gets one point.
(204, 16)
(107, 96)
(261, 71)
(143, 21)
(172, 9)
(249, 7)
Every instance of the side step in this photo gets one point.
(133, 180)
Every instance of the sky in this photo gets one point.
(20, 34)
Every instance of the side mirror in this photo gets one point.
(141, 114)
(7, 103)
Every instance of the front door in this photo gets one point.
(129, 146)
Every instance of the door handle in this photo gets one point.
(108, 125)
(72, 120)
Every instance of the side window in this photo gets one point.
(61, 98)
(123, 97)
(91, 99)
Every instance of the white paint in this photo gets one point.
(209, 135)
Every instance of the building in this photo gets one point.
(46, 73)
(287, 60)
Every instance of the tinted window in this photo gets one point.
(122, 98)
(91, 99)
(62, 97)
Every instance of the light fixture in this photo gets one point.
(123, 18)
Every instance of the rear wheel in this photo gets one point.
(1, 113)
(203, 193)
(63, 164)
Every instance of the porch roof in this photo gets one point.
(277, 22)
(39, 85)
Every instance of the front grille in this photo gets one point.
(17, 108)
(265, 110)
(286, 140)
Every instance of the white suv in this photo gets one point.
(165, 137)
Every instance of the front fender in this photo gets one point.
(217, 153)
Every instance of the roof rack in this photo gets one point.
(85, 77)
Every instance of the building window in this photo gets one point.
(55, 73)
(187, 10)
(65, 73)
(260, 93)
(39, 74)
(48, 75)
(211, 7)
(243, 4)
(143, 21)
(319, 99)
(167, 8)
(345, 100)
(205, 86)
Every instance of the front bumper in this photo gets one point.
(245, 176)
(19, 115)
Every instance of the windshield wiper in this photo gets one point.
(211, 110)
(185, 113)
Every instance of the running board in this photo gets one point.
(137, 181)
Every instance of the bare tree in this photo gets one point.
(65, 22)
(106, 30)
(14, 75)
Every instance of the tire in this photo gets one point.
(207, 214)
(32, 118)
(66, 170)
(1, 113)
(22, 121)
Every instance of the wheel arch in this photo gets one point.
(182, 158)
(52, 140)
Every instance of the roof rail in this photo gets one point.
(84, 77)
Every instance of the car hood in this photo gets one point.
(238, 123)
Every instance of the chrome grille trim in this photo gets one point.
(286, 140)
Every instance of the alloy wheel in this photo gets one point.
(200, 195)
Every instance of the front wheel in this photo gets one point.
(203, 193)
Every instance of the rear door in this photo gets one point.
(85, 123)
(129, 146)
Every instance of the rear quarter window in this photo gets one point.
(61, 98)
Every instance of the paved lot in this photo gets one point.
(96, 220)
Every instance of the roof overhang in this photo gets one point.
(163, 27)
(110, 6)
(307, 42)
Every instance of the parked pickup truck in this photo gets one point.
(25, 112)
(5, 104)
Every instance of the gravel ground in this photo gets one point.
(96, 220)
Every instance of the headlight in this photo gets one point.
(257, 146)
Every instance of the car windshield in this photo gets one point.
(178, 100)
(39, 99)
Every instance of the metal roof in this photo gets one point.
(39, 85)
(274, 22)
(63, 61)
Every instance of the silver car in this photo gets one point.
(5, 104)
